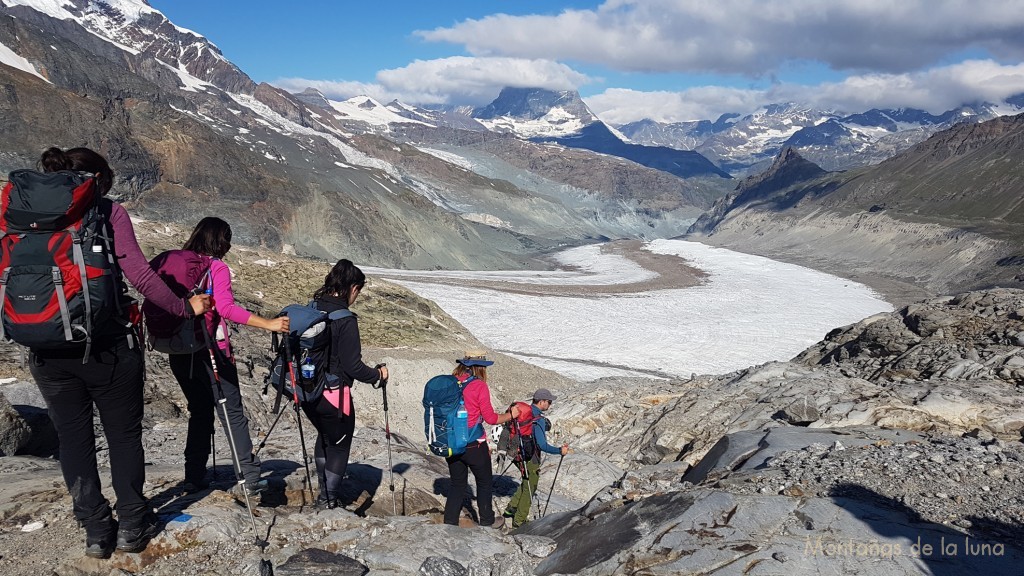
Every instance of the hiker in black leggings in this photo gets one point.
(110, 380)
(194, 372)
(333, 414)
(477, 457)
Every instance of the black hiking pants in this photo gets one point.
(476, 458)
(333, 445)
(194, 374)
(111, 381)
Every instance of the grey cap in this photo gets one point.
(543, 394)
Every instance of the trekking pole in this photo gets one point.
(213, 451)
(223, 401)
(553, 480)
(383, 385)
(298, 417)
(267, 437)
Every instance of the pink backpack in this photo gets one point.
(186, 273)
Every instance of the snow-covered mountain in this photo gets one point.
(834, 140)
(561, 117)
(536, 112)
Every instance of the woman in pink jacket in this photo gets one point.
(477, 457)
(194, 372)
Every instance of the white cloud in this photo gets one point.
(751, 37)
(336, 89)
(936, 90)
(624, 105)
(455, 80)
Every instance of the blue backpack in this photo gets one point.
(308, 350)
(445, 421)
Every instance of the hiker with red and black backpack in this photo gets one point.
(528, 438)
(65, 250)
(200, 355)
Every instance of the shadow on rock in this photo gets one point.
(989, 548)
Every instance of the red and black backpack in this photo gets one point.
(523, 426)
(59, 281)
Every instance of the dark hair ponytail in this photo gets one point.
(53, 160)
(80, 159)
(341, 279)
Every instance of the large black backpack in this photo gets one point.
(305, 352)
(59, 281)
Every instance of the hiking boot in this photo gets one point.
(100, 538)
(498, 522)
(133, 536)
(192, 486)
(252, 489)
(322, 504)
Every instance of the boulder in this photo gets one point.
(15, 433)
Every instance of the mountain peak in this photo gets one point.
(534, 103)
(788, 168)
(536, 112)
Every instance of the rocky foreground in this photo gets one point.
(893, 446)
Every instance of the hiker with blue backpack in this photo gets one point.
(65, 250)
(323, 355)
(475, 408)
(204, 365)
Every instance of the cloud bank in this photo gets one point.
(751, 37)
(893, 54)
(455, 80)
(936, 90)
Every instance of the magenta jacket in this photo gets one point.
(224, 306)
(478, 405)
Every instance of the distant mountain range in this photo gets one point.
(746, 144)
(732, 145)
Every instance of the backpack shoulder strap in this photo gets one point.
(340, 313)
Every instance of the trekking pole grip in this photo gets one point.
(382, 384)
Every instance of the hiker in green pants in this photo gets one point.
(533, 431)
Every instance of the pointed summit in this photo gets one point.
(535, 103)
(536, 112)
(788, 168)
(313, 97)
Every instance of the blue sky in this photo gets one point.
(669, 60)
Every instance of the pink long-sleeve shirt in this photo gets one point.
(478, 405)
(224, 306)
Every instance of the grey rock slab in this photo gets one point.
(779, 440)
(729, 452)
(404, 544)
